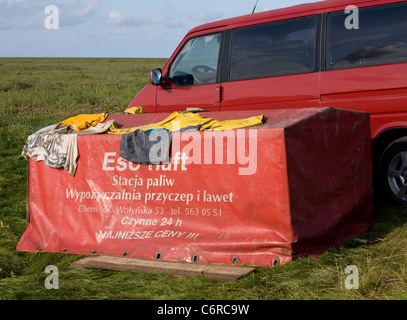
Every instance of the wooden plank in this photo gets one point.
(216, 272)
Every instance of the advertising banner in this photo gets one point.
(298, 184)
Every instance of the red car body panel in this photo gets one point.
(378, 90)
(272, 93)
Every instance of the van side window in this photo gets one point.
(380, 39)
(197, 62)
(274, 49)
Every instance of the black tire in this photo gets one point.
(393, 172)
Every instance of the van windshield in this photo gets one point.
(197, 62)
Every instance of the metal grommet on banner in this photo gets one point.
(65, 250)
(276, 262)
(94, 252)
(125, 254)
(235, 260)
(195, 258)
(158, 255)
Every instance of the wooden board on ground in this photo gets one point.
(216, 272)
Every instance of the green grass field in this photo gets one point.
(35, 93)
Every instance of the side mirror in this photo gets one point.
(156, 77)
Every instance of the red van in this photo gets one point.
(349, 54)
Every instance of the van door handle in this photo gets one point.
(219, 91)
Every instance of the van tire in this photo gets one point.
(393, 172)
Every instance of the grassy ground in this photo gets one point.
(35, 93)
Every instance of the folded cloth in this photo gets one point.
(99, 128)
(55, 149)
(151, 146)
(57, 145)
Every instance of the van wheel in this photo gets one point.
(393, 172)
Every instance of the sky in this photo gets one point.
(111, 28)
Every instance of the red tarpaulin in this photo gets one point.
(298, 184)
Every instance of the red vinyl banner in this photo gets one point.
(296, 185)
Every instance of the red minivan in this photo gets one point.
(338, 53)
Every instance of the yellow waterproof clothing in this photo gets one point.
(84, 121)
(135, 110)
(177, 121)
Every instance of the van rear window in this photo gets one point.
(379, 37)
(274, 49)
